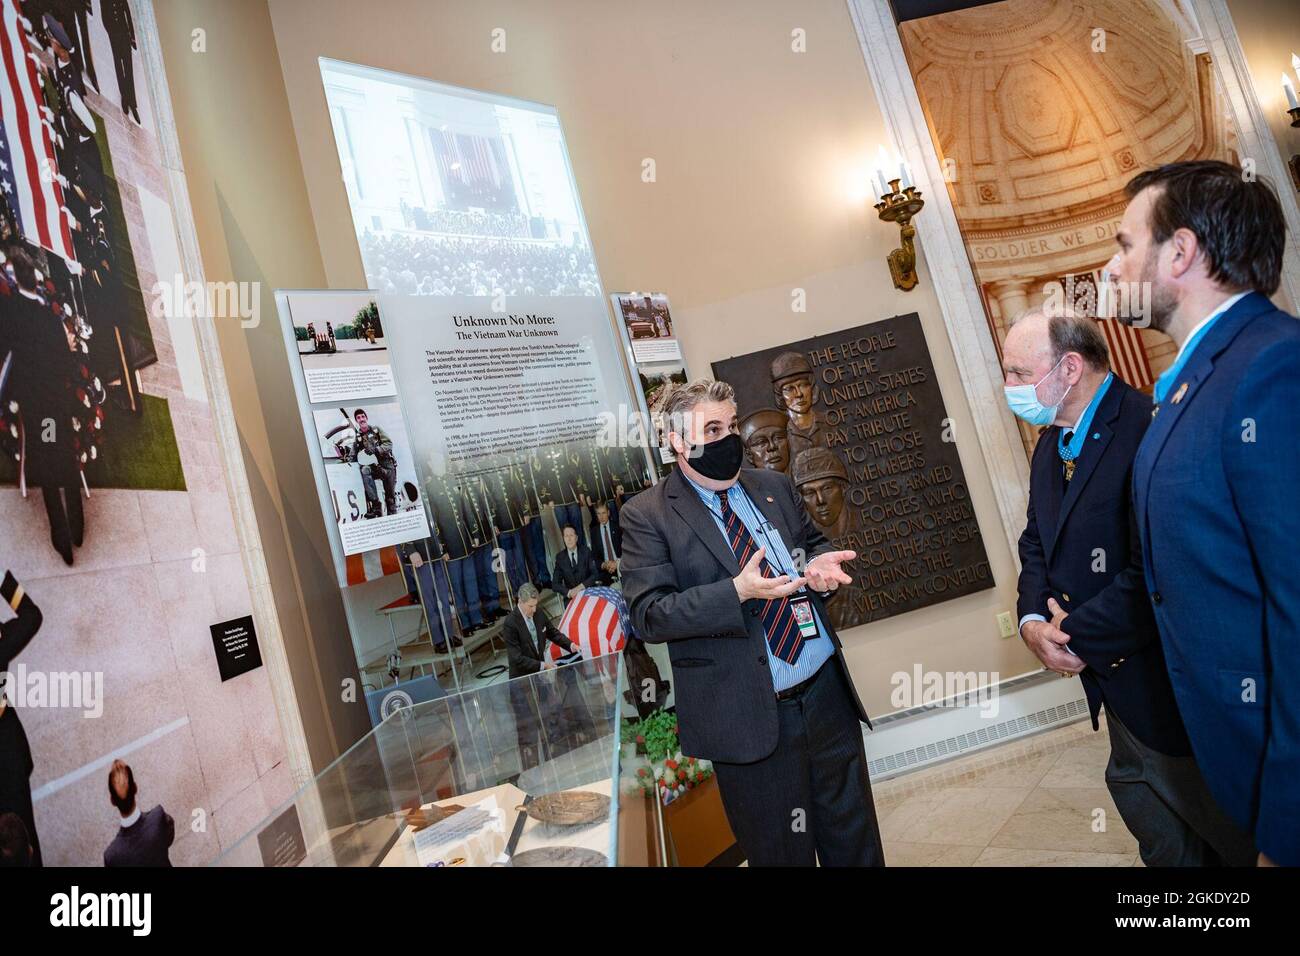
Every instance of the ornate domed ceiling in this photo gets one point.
(1044, 109)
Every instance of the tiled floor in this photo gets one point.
(1041, 801)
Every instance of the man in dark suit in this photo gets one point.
(762, 687)
(15, 753)
(121, 37)
(42, 369)
(575, 567)
(527, 631)
(1081, 568)
(144, 838)
(1215, 479)
(81, 12)
(606, 542)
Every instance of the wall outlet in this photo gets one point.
(1007, 624)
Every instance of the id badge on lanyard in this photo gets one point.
(800, 603)
(801, 607)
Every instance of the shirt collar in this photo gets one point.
(1092, 404)
(1224, 306)
(708, 496)
(132, 819)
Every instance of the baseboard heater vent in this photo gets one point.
(984, 734)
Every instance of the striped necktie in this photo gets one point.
(782, 632)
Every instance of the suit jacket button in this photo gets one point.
(1155, 597)
(762, 660)
(753, 612)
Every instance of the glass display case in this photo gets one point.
(525, 772)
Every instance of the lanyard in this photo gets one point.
(1070, 451)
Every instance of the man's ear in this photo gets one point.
(1075, 366)
(1186, 250)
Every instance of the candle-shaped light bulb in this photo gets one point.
(1289, 89)
(882, 163)
(1295, 65)
(902, 175)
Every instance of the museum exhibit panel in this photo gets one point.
(335, 346)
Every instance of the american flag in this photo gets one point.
(371, 565)
(29, 176)
(597, 621)
(1128, 356)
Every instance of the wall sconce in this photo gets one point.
(1293, 109)
(1292, 104)
(900, 206)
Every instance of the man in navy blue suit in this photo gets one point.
(1081, 568)
(1215, 479)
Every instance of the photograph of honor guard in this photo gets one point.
(507, 519)
(534, 533)
(479, 519)
(458, 530)
(429, 585)
(568, 503)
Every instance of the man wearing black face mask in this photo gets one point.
(727, 568)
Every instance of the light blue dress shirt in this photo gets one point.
(532, 631)
(1167, 378)
(817, 650)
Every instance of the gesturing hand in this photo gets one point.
(750, 582)
(824, 572)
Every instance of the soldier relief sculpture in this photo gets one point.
(857, 420)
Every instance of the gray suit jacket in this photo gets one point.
(677, 578)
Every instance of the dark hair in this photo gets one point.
(1081, 334)
(568, 527)
(15, 845)
(1239, 224)
(360, 411)
(118, 772)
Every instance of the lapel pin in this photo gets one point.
(770, 498)
(1096, 436)
(1178, 395)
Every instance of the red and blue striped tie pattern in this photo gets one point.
(783, 635)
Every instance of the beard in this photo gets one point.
(1163, 302)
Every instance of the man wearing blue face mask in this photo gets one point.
(1082, 602)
